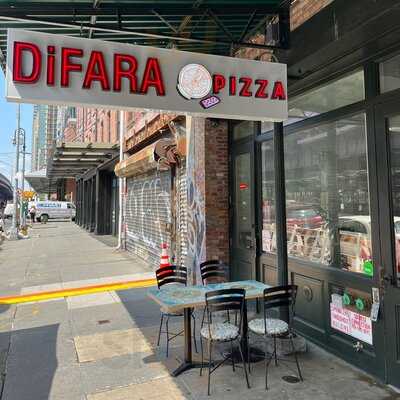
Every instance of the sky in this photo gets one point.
(7, 126)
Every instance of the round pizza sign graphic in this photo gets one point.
(194, 81)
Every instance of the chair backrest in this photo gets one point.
(171, 274)
(213, 271)
(225, 300)
(280, 296)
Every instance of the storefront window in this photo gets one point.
(389, 74)
(327, 197)
(268, 197)
(336, 94)
(394, 140)
(243, 130)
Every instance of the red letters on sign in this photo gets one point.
(152, 77)
(218, 83)
(232, 85)
(18, 73)
(96, 67)
(278, 93)
(129, 73)
(67, 65)
(246, 86)
(262, 89)
(96, 71)
(50, 65)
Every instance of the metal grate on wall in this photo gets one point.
(148, 215)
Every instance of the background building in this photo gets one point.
(44, 133)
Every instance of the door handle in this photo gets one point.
(250, 244)
(388, 279)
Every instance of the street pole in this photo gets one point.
(14, 228)
(23, 210)
(121, 189)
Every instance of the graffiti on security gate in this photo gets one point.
(148, 212)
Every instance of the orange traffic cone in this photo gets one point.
(164, 261)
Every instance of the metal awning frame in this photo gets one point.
(71, 159)
(83, 19)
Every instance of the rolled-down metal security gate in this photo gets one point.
(148, 214)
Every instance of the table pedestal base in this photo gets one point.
(185, 366)
(255, 355)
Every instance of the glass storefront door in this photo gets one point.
(387, 122)
(243, 239)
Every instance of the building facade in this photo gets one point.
(97, 125)
(97, 189)
(44, 131)
(66, 123)
(340, 192)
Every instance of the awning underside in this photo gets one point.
(40, 182)
(73, 159)
(204, 26)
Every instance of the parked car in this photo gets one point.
(304, 216)
(55, 210)
(9, 210)
(362, 224)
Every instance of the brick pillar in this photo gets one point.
(217, 189)
(207, 181)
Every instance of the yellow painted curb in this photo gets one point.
(77, 291)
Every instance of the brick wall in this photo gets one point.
(97, 125)
(216, 189)
(300, 12)
(70, 189)
(142, 127)
(70, 131)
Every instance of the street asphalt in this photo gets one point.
(103, 346)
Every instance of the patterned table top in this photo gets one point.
(177, 297)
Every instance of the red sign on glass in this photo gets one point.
(243, 186)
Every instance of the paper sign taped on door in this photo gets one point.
(351, 323)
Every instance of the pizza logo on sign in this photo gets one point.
(194, 81)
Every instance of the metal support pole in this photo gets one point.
(14, 228)
(280, 207)
(23, 211)
(121, 191)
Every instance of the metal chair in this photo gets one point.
(165, 276)
(279, 296)
(223, 300)
(212, 271)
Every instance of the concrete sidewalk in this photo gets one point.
(102, 346)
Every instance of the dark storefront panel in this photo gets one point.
(148, 215)
(114, 205)
(387, 119)
(97, 200)
(243, 240)
(341, 214)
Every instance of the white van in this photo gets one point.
(46, 210)
(9, 210)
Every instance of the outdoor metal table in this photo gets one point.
(176, 297)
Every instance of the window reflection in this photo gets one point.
(268, 198)
(327, 198)
(394, 139)
(335, 94)
(389, 74)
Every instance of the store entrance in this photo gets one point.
(243, 238)
(387, 122)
